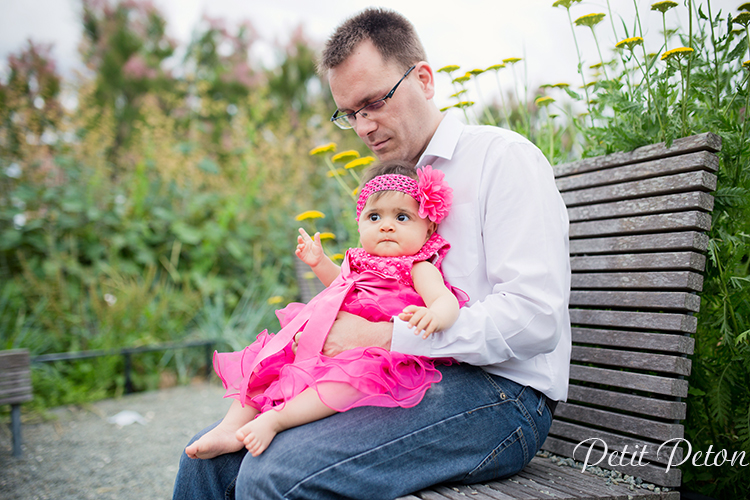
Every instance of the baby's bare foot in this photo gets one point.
(215, 442)
(258, 434)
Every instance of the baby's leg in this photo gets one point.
(303, 409)
(223, 438)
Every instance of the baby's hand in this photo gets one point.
(421, 319)
(310, 252)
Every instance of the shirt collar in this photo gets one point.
(444, 141)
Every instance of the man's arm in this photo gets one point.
(350, 331)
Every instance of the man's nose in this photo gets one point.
(364, 126)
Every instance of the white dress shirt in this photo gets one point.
(508, 230)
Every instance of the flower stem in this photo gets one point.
(580, 66)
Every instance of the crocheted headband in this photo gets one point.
(431, 192)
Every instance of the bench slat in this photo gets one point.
(660, 408)
(663, 363)
(685, 145)
(649, 473)
(637, 426)
(701, 160)
(676, 301)
(679, 183)
(669, 280)
(14, 358)
(671, 203)
(639, 340)
(630, 380)
(690, 221)
(639, 262)
(668, 322)
(688, 241)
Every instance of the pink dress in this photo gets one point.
(267, 374)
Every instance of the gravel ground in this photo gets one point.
(80, 455)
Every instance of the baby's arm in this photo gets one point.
(311, 253)
(442, 306)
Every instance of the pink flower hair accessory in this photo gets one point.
(431, 192)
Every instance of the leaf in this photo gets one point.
(209, 166)
(187, 234)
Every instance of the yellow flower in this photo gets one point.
(744, 6)
(742, 18)
(462, 91)
(475, 72)
(446, 108)
(327, 236)
(310, 214)
(276, 299)
(544, 101)
(355, 192)
(746, 64)
(511, 60)
(309, 275)
(561, 85)
(339, 171)
(495, 67)
(589, 20)
(663, 6)
(564, 3)
(461, 79)
(464, 104)
(631, 42)
(359, 162)
(345, 156)
(337, 256)
(330, 147)
(596, 66)
(676, 53)
(449, 69)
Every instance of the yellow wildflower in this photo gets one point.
(449, 69)
(328, 148)
(475, 72)
(309, 275)
(337, 256)
(355, 192)
(276, 299)
(596, 66)
(464, 104)
(564, 3)
(310, 214)
(631, 42)
(495, 67)
(461, 79)
(511, 60)
(359, 162)
(744, 6)
(327, 236)
(446, 108)
(663, 6)
(345, 156)
(589, 20)
(746, 64)
(676, 53)
(339, 171)
(742, 18)
(462, 91)
(544, 101)
(561, 85)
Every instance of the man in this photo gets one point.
(508, 231)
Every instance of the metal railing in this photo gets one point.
(127, 354)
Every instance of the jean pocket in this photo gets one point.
(508, 458)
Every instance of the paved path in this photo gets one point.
(80, 455)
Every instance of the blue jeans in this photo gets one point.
(470, 427)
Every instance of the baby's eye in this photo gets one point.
(402, 217)
(374, 217)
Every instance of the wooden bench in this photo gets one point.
(637, 251)
(15, 388)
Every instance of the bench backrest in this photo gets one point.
(637, 250)
(15, 377)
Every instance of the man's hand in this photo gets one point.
(350, 331)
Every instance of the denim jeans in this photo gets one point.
(470, 427)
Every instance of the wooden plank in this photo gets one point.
(668, 322)
(671, 203)
(667, 342)
(662, 363)
(668, 410)
(671, 301)
(686, 145)
(681, 221)
(629, 380)
(629, 448)
(668, 280)
(553, 483)
(701, 160)
(687, 242)
(521, 488)
(623, 424)
(639, 262)
(14, 358)
(679, 183)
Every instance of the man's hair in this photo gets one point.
(392, 34)
(389, 167)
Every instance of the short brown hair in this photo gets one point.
(391, 33)
(389, 167)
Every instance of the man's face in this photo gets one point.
(401, 129)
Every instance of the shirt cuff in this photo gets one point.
(404, 340)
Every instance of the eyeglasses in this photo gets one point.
(349, 120)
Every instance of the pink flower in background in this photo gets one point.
(435, 196)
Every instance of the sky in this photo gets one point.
(474, 34)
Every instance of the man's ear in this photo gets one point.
(426, 79)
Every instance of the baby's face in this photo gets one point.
(390, 226)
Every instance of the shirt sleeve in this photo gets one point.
(526, 271)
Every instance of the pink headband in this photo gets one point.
(431, 192)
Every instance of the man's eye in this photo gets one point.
(373, 107)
